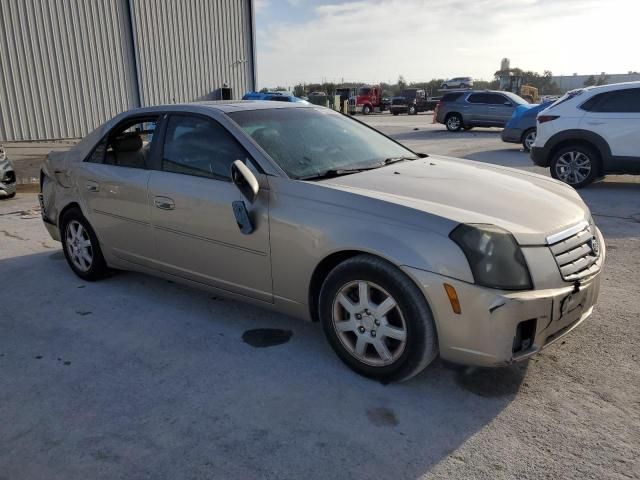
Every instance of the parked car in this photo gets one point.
(273, 96)
(300, 209)
(522, 126)
(486, 108)
(590, 132)
(7, 176)
(458, 82)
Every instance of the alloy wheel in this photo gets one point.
(573, 167)
(78, 244)
(530, 139)
(453, 122)
(369, 323)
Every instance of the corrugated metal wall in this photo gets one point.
(186, 50)
(67, 66)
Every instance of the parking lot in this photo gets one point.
(135, 377)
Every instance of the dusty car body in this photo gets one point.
(383, 256)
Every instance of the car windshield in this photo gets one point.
(308, 142)
(518, 100)
(409, 93)
(364, 91)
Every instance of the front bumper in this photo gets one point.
(7, 188)
(399, 108)
(496, 327)
(511, 135)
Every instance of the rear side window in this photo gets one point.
(479, 98)
(127, 145)
(201, 147)
(618, 101)
(451, 97)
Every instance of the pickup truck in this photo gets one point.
(412, 101)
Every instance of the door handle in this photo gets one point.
(92, 186)
(164, 203)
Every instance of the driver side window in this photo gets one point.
(201, 147)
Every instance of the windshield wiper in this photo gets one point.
(390, 160)
(337, 172)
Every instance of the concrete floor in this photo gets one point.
(134, 377)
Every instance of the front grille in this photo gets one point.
(398, 101)
(576, 253)
(9, 177)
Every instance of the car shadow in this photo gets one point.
(113, 373)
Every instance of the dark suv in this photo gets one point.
(487, 108)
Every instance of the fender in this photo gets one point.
(585, 135)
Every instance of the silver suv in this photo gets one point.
(485, 108)
(458, 82)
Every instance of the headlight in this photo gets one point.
(495, 258)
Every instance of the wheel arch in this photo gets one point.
(584, 138)
(66, 208)
(331, 261)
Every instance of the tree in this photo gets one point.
(298, 90)
(590, 82)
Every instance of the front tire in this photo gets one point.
(377, 320)
(453, 122)
(576, 165)
(412, 110)
(81, 247)
(366, 110)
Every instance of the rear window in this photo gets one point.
(618, 101)
(567, 96)
(451, 97)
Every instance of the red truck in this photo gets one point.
(369, 99)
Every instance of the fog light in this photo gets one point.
(453, 298)
(525, 334)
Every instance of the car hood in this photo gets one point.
(526, 204)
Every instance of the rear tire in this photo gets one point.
(528, 138)
(81, 246)
(576, 165)
(453, 122)
(382, 330)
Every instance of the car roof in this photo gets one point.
(225, 106)
(612, 86)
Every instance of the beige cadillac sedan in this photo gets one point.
(300, 209)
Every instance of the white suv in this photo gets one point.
(590, 132)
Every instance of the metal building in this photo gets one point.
(66, 66)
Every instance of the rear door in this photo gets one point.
(615, 116)
(191, 199)
(112, 183)
(475, 108)
(499, 109)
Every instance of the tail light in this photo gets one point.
(547, 118)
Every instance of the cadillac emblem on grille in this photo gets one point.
(595, 246)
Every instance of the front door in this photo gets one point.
(499, 109)
(113, 188)
(194, 228)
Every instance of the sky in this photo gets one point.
(374, 41)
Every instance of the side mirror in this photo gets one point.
(245, 180)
